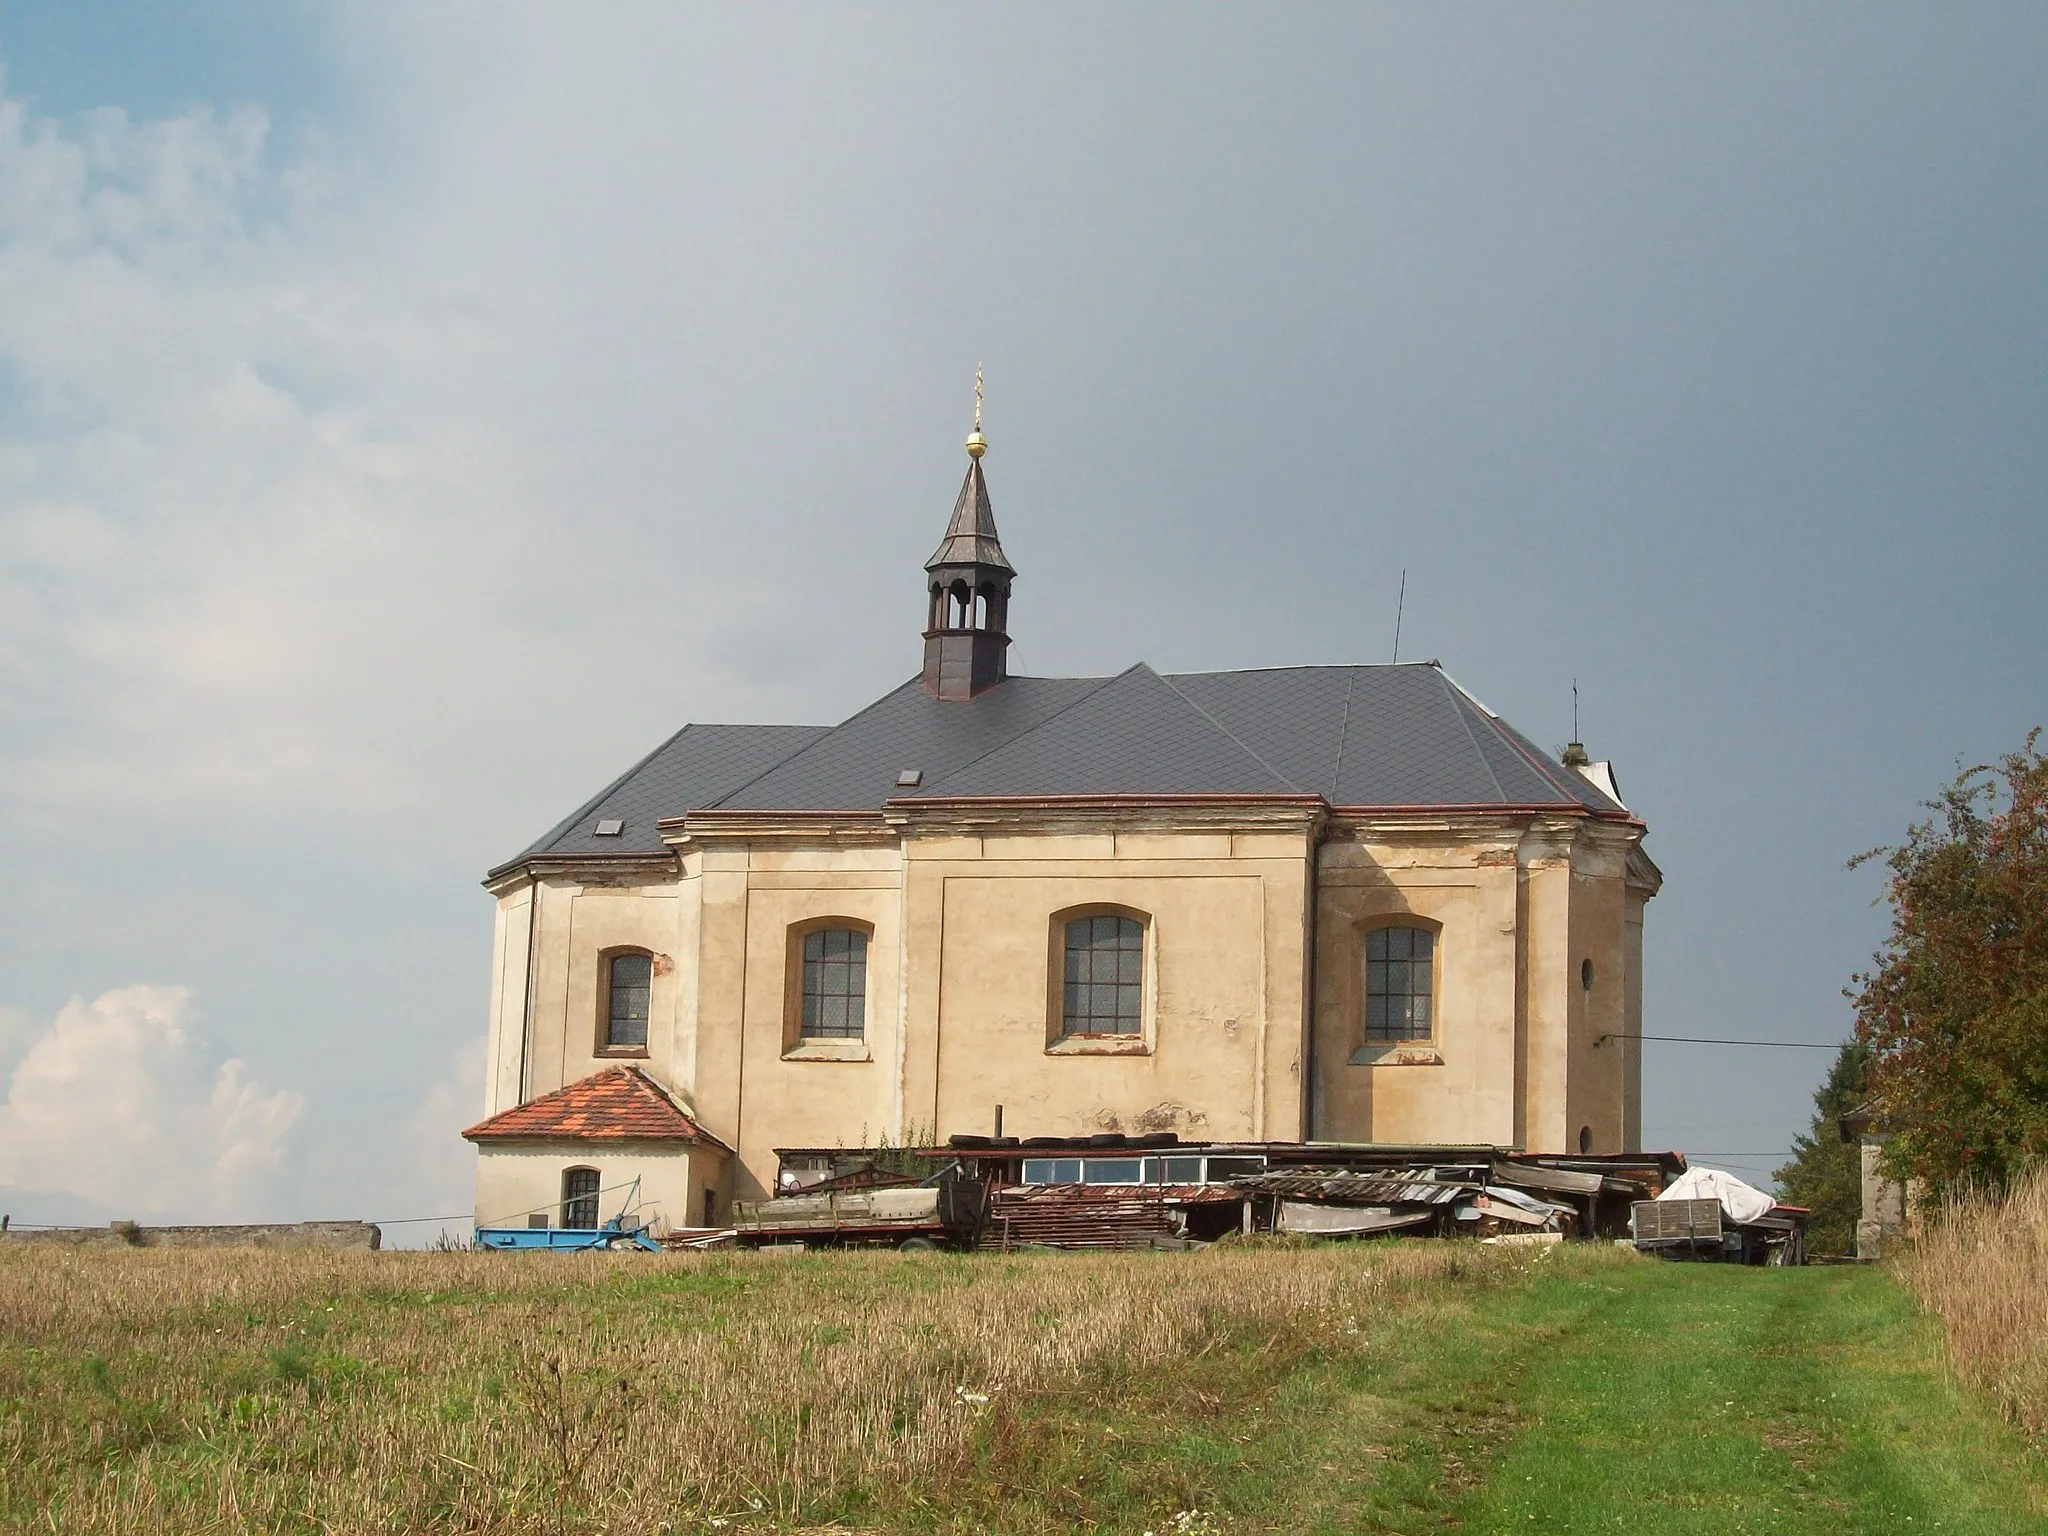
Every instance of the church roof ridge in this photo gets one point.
(1304, 666)
(1360, 735)
(1226, 730)
(1135, 734)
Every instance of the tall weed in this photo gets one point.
(1982, 1268)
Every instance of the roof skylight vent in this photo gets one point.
(910, 778)
(610, 827)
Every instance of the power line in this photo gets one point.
(401, 1221)
(1783, 1045)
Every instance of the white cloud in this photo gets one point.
(120, 1105)
(303, 480)
(231, 574)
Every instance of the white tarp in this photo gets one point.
(1738, 1200)
(1345, 1220)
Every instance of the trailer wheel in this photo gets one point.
(917, 1245)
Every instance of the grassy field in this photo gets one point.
(1398, 1388)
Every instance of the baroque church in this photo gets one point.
(1323, 903)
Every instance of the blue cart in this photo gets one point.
(622, 1231)
(613, 1234)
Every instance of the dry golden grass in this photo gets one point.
(1982, 1268)
(240, 1391)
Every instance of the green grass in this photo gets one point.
(1599, 1398)
(1703, 1399)
(1399, 1388)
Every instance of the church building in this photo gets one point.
(1321, 903)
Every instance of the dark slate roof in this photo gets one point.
(1386, 736)
(971, 535)
(1381, 736)
(1365, 736)
(855, 766)
(690, 770)
(1133, 735)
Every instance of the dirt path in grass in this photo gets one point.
(1588, 1393)
(1700, 1399)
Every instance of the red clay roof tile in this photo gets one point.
(617, 1104)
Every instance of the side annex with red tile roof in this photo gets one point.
(618, 1104)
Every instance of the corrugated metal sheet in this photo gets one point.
(1340, 1187)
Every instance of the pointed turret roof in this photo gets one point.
(971, 535)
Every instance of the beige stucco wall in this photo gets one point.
(512, 1181)
(961, 988)
(1461, 1086)
(1251, 1031)
(1523, 1053)
(1632, 1019)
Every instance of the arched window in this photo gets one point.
(835, 984)
(579, 1197)
(629, 978)
(1105, 976)
(1400, 985)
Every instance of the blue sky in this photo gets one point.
(409, 415)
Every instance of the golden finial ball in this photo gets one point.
(977, 445)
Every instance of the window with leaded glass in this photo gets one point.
(1400, 982)
(835, 984)
(579, 1197)
(627, 990)
(1105, 976)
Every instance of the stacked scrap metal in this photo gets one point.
(1109, 1190)
(1109, 1215)
(1443, 1201)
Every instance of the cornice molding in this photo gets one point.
(849, 827)
(968, 816)
(585, 869)
(1643, 874)
(1423, 825)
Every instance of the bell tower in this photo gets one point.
(967, 589)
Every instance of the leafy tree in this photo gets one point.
(1826, 1174)
(1956, 1012)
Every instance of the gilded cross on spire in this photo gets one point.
(977, 445)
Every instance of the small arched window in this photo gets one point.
(1400, 985)
(629, 979)
(835, 984)
(1105, 976)
(579, 1197)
